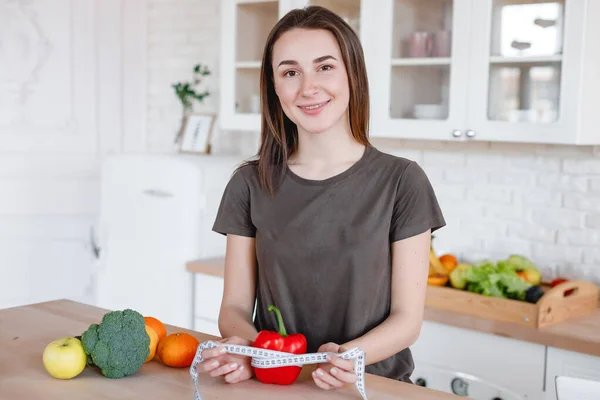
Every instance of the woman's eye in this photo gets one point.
(326, 67)
(289, 73)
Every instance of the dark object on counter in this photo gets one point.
(533, 294)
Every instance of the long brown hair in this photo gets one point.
(279, 135)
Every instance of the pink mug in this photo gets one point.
(420, 44)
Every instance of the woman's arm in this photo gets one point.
(410, 269)
(237, 305)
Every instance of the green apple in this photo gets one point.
(64, 358)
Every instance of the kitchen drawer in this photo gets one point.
(488, 364)
(208, 292)
(569, 363)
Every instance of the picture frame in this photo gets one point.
(196, 133)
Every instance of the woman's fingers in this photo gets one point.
(344, 376)
(319, 382)
(327, 378)
(237, 375)
(224, 369)
(211, 353)
(210, 364)
(346, 365)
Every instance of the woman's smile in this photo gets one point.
(314, 108)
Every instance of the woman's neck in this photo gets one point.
(334, 146)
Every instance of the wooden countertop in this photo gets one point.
(580, 334)
(27, 330)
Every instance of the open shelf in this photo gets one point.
(247, 82)
(349, 10)
(255, 19)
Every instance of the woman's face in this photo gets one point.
(310, 79)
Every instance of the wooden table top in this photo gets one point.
(580, 334)
(25, 332)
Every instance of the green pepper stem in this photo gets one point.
(282, 330)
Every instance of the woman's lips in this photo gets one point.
(314, 109)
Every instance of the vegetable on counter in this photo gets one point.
(514, 278)
(279, 341)
(119, 345)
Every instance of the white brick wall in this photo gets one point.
(537, 200)
(542, 201)
(181, 34)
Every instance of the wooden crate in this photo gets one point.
(553, 307)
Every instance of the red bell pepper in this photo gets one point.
(280, 341)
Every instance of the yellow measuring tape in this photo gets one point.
(263, 358)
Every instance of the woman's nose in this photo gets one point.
(310, 86)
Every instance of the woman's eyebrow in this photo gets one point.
(315, 61)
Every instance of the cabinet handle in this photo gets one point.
(456, 133)
(471, 133)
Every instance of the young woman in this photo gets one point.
(323, 225)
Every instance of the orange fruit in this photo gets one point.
(437, 280)
(153, 342)
(177, 349)
(158, 327)
(449, 262)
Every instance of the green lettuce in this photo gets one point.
(496, 279)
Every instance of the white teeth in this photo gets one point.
(315, 106)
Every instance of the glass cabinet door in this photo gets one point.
(520, 75)
(424, 64)
(421, 63)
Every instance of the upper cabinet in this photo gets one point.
(245, 25)
(422, 63)
(488, 70)
(530, 76)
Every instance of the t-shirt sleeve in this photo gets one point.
(233, 215)
(416, 208)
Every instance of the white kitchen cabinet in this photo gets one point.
(245, 25)
(491, 70)
(478, 365)
(208, 292)
(513, 70)
(569, 363)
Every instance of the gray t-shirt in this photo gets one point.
(323, 246)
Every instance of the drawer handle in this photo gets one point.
(157, 193)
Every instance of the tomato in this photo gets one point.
(557, 281)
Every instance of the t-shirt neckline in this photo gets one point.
(335, 178)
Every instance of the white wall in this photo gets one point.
(541, 201)
(69, 73)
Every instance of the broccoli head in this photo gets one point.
(119, 345)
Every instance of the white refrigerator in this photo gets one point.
(156, 214)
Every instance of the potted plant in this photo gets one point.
(187, 93)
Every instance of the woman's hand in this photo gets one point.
(232, 367)
(337, 372)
